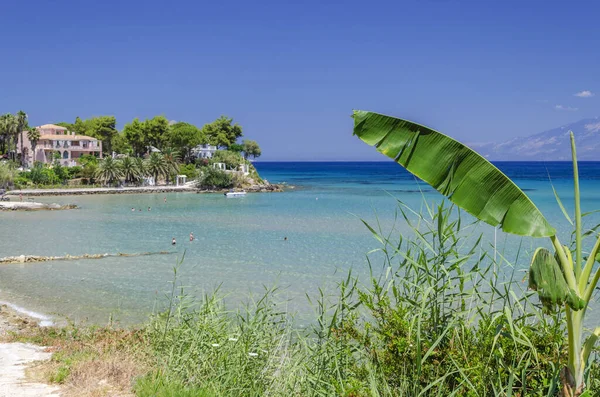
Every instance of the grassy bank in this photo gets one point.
(439, 316)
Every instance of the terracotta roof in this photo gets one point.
(67, 138)
(54, 126)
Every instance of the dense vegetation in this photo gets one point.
(145, 148)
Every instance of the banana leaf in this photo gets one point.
(546, 277)
(456, 171)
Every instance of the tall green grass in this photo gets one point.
(438, 315)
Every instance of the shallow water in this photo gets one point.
(239, 242)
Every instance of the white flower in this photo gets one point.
(233, 339)
(215, 345)
(253, 354)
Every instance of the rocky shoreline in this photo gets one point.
(29, 206)
(265, 188)
(37, 258)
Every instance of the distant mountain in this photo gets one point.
(551, 145)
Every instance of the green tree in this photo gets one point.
(236, 147)
(104, 128)
(130, 169)
(184, 137)
(211, 178)
(231, 159)
(140, 164)
(251, 148)
(21, 119)
(172, 159)
(109, 171)
(156, 131)
(121, 145)
(7, 175)
(34, 136)
(9, 127)
(134, 134)
(221, 132)
(157, 166)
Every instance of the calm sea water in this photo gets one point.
(239, 244)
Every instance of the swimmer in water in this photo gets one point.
(173, 242)
(132, 209)
(165, 199)
(192, 236)
(285, 239)
(149, 209)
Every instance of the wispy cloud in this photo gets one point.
(567, 108)
(585, 94)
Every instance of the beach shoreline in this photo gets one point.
(134, 190)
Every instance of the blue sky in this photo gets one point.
(291, 72)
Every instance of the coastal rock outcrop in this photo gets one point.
(29, 206)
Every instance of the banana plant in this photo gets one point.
(563, 279)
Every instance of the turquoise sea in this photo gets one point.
(239, 244)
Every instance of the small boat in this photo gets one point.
(235, 194)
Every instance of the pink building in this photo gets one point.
(57, 139)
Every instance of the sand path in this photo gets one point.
(14, 358)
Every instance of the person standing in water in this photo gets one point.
(191, 236)
(173, 242)
(165, 199)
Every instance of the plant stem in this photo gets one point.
(573, 329)
(589, 266)
(578, 257)
(565, 263)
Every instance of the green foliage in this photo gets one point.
(481, 189)
(131, 170)
(231, 159)
(7, 175)
(251, 149)
(183, 137)
(109, 171)
(236, 147)
(158, 385)
(455, 171)
(120, 145)
(157, 166)
(143, 134)
(102, 128)
(188, 170)
(74, 172)
(134, 134)
(221, 132)
(211, 178)
(40, 175)
(61, 172)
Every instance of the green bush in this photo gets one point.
(211, 178)
(74, 172)
(41, 175)
(231, 159)
(189, 170)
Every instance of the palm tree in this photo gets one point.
(157, 166)
(21, 118)
(140, 164)
(9, 128)
(130, 169)
(172, 159)
(34, 136)
(108, 171)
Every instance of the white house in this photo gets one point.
(204, 151)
